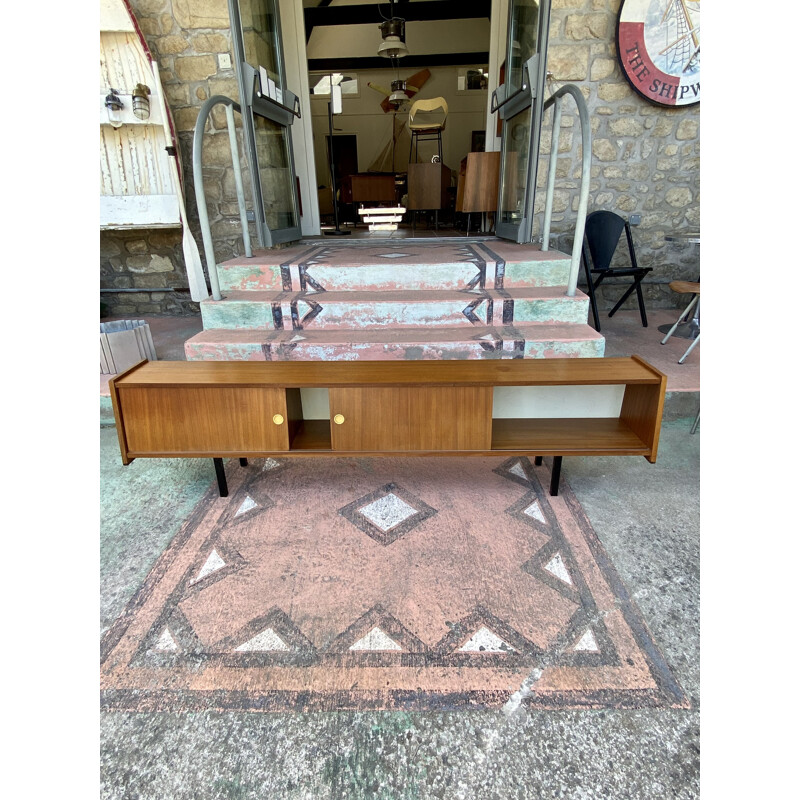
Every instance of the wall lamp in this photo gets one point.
(141, 101)
(114, 108)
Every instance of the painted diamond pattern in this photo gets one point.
(388, 513)
(188, 627)
(393, 255)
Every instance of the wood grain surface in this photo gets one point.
(328, 374)
(406, 418)
(193, 420)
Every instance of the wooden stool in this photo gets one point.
(693, 288)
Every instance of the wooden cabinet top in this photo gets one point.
(326, 374)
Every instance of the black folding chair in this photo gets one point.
(602, 235)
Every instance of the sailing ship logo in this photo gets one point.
(658, 44)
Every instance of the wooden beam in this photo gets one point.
(410, 12)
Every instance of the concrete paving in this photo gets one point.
(647, 517)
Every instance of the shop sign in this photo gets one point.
(658, 45)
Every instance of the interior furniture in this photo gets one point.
(243, 409)
(365, 188)
(478, 183)
(382, 219)
(692, 288)
(602, 235)
(426, 120)
(325, 199)
(427, 188)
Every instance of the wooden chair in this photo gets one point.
(428, 124)
(692, 288)
(603, 231)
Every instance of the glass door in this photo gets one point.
(519, 101)
(268, 109)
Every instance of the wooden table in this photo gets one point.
(211, 409)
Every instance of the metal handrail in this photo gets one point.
(199, 189)
(586, 164)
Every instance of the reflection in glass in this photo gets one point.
(274, 167)
(322, 85)
(260, 33)
(514, 171)
(522, 41)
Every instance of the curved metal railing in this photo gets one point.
(586, 163)
(199, 189)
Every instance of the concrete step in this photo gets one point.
(480, 341)
(397, 309)
(395, 266)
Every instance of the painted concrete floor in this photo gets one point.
(647, 517)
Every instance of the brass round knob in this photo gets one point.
(338, 419)
(278, 419)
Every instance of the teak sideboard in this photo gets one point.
(224, 409)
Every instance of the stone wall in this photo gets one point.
(646, 158)
(186, 37)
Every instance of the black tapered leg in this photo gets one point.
(624, 297)
(590, 288)
(555, 476)
(538, 461)
(641, 303)
(219, 468)
(243, 462)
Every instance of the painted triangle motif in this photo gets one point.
(485, 641)
(587, 643)
(165, 643)
(376, 639)
(213, 563)
(246, 506)
(557, 567)
(534, 510)
(518, 471)
(267, 640)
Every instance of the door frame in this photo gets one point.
(296, 68)
(252, 103)
(530, 95)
